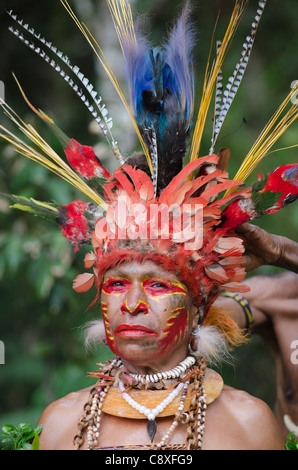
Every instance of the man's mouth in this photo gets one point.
(134, 331)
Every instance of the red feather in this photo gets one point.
(84, 161)
(183, 174)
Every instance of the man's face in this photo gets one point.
(148, 315)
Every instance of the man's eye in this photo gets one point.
(159, 285)
(116, 283)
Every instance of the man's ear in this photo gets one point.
(195, 311)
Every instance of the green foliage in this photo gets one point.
(291, 443)
(21, 437)
(40, 314)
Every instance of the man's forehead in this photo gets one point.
(135, 268)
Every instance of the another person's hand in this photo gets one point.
(263, 248)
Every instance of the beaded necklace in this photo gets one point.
(170, 374)
(196, 414)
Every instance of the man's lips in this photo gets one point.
(134, 331)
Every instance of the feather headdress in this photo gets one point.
(180, 217)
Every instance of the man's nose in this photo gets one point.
(135, 302)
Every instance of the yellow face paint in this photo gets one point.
(158, 287)
(116, 285)
(141, 306)
(109, 336)
(176, 327)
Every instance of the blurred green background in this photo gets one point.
(41, 316)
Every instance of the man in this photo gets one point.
(138, 301)
(164, 248)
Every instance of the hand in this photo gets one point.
(263, 248)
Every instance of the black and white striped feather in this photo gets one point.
(93, 102)
(224, 101)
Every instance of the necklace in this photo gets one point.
(151, 414)
(193, 416)
(170, 374)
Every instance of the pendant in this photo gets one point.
(151, 428)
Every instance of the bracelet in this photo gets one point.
(245, 307)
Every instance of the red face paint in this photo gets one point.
(158, 287)
(141, 307)
(134, 331)
(110, 338)
(146, 313)
(116, 285)
(176, 328)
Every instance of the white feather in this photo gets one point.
(94, 333)
(210, 343)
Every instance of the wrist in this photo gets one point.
(246, 310)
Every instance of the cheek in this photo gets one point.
(176, 329)
(108, 328)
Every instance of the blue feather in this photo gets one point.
(178, 69)
(162, 91)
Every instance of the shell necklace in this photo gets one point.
(151, 414)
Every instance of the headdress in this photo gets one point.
(154, 207)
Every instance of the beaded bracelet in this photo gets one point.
(245, 307)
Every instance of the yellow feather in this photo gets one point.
(211, 77)
(103, 61)
(273, 130)
(49, 158)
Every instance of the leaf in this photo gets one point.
(8, 428)
(35, 443)
(20, 437)
(26, 446)
(292, 443)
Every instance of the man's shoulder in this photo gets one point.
(248, 408)
(60, 420)
(253, 417)
(240, 398)
(67, 404)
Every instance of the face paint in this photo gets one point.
(110, 338)
(141, 307)
(176, 328)
(116, 286)
(147, 313)
(156, 287)
(134, 331)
